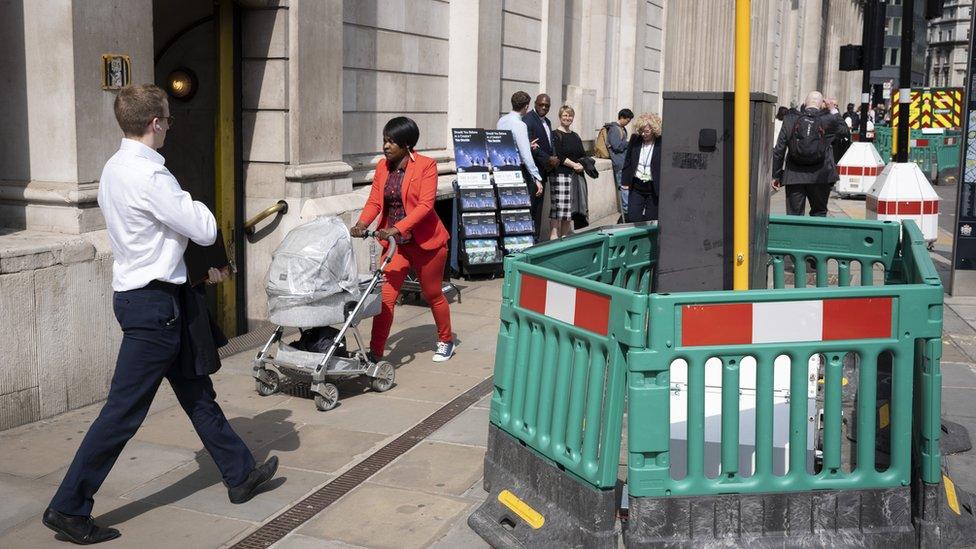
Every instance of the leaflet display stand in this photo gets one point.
(513, 196)
(491, 215)
(475, 248)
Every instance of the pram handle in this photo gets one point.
(389, 252)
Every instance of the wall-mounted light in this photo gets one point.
(181, 84)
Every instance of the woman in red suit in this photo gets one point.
(403, 194)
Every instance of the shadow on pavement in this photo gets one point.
(207, 474)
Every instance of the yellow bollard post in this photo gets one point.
(740, 215)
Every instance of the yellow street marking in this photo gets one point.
(950, 489)
(883, 416)
(522, 509)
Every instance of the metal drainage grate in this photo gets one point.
(296, 515)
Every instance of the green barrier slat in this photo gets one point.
(832, 413)
(867, 423)
(930, 406)
(730, 416)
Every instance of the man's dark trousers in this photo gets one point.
(152, 326)
(816, 193)
(535, 203)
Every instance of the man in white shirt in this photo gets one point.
(533, 181)
(149, 220)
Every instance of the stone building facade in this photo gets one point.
(290, 97)
(948, 45)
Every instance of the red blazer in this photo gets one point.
(419, 191)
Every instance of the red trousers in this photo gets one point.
(429, 266)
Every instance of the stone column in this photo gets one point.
(315, 50)
(60, 138)
(553, 44)
(475, 64)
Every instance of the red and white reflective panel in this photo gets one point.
(786, 321)
(859, 170)
(902, 207)
(581, 308)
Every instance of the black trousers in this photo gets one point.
(816, 193)
(641, 206)
(152, 325)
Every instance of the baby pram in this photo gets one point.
(313, 283)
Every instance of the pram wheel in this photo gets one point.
(328, 399)
(267, 383)
(385, 376)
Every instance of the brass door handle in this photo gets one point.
(280, 206)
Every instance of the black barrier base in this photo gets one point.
(575, 515)
(850, 518)
(941, 523)
(955, 438)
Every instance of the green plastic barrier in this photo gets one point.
(882, 142)
(938, 157)
(581, 337)
(559, 382)
(948, 151)
(911, 338)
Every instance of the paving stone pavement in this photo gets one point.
(166, 492)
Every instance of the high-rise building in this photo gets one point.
(948, 41)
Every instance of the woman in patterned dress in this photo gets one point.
(568, 147)
(402, 197)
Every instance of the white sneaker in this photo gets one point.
(445, 350)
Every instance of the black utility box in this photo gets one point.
(695, 215)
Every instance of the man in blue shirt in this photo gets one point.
(533, 179)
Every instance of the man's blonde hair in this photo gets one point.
(648, 120)
(136, 105)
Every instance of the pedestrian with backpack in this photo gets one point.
(803, 159)
(611, 142)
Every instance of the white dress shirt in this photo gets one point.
(149, 218)
(513, 122)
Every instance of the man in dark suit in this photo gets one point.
(540, 135)
(808, 181)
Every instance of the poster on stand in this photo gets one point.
(503, 155)
(471, 157)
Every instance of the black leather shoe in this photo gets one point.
(80, 530)
(247, 489)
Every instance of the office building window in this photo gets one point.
(893, 56)
(893, 26)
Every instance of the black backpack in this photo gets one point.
(808, 142)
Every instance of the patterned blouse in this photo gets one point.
(393, 199)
